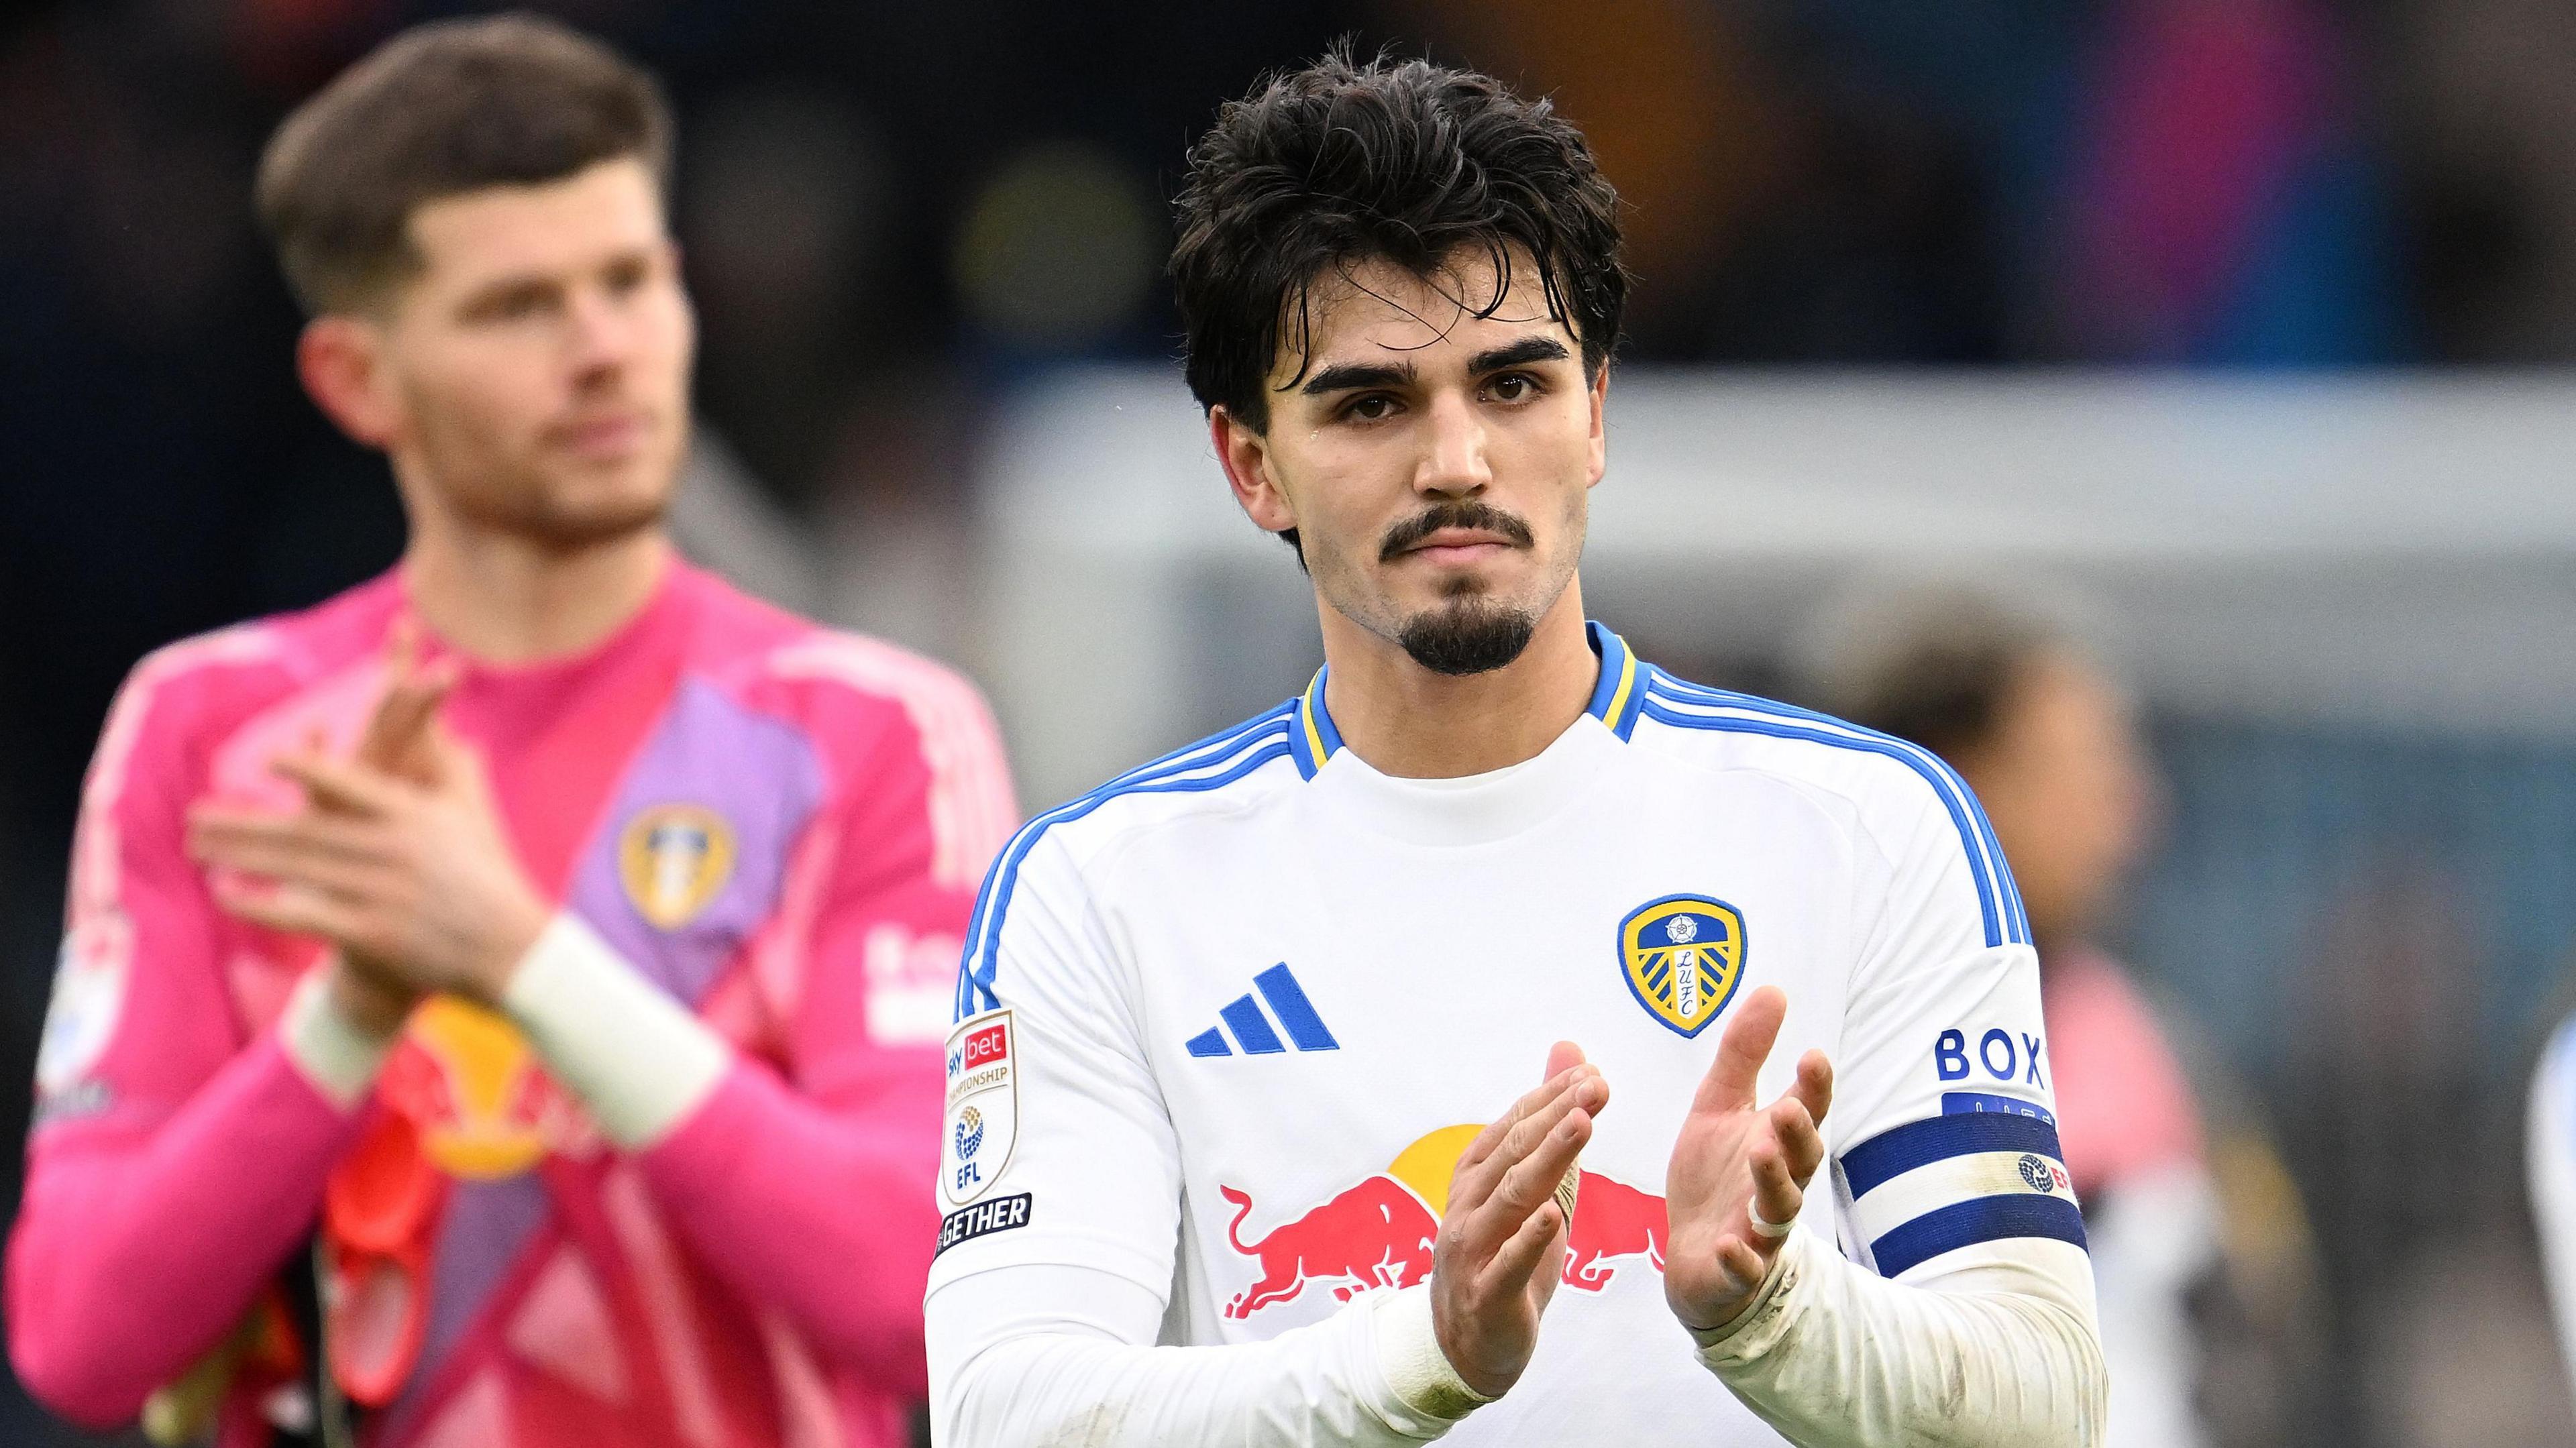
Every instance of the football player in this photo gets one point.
(1750, 988)
(501, 1003)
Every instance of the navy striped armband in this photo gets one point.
(1947, 1182)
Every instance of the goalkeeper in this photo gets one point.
(500, 1004)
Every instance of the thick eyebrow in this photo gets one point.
(1516, 354)
(1351, 375)
(507, 288)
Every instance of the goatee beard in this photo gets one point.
(1469, 637)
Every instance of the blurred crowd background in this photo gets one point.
(1999, 240)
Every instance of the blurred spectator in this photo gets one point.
(2198, 1240)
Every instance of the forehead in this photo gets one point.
(1377, 311)
(551, 226)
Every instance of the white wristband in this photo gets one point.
(326, 1047)
(636, 1057)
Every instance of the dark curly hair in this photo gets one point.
(1400, 160)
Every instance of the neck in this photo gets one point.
(1412, 723)
(502, 598)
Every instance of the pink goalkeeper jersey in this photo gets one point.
(781, 826)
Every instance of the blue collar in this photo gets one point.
(1616, 701)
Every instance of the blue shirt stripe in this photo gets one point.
(1193, 755)
(1264, 736)
(1932, 766)
(2558, 1066)
(1969, 1103)
(2001, 920)
(1945, 780)
(1979, 1219)
(1616, 669)
(1901, 1149)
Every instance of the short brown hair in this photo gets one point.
(443, 109)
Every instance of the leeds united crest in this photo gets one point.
(675, 860)
(1683, 955)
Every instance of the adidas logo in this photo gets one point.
(1251, 1028)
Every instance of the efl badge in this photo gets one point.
(89, 997)
(1683, 955)
(983, 1106)
(674, 859)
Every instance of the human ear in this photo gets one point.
(1245, 456)
(341, 362)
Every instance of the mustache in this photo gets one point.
(1465, 513)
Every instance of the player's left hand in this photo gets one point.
(1733, 1158)
(412, 872)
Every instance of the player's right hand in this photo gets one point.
(370, 994)
(397, 738)
(1502, 1240)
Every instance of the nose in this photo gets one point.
(602, 333)
(1453, 462)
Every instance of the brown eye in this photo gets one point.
(1372, 409)
(1511, 387)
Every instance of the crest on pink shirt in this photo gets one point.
(674, 859)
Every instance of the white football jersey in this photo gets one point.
(1227, 1022)
(2550, 1146)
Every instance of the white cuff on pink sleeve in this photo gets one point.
(637, 1058)
(338, 1056)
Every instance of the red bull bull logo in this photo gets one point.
(1612, 1220)
(1379, 1232)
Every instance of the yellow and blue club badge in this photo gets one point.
(1684, 956)
(675, 860)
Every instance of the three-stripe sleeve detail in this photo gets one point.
(1692, 706)
(1211, 763)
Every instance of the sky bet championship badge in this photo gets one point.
(1683, 955)
(983, 1106)
(675, 859)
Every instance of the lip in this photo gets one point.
(1452, 546)
(605, 434)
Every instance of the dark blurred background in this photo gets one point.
(896, 215)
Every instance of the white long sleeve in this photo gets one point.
(1226, 1026)
(1998, 1356)
(1045, 1355)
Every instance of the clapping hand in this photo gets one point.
(1502, 1240)
(399, 858)
(1734, 1159)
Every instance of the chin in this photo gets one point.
(597, 511)
(1468, 634)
